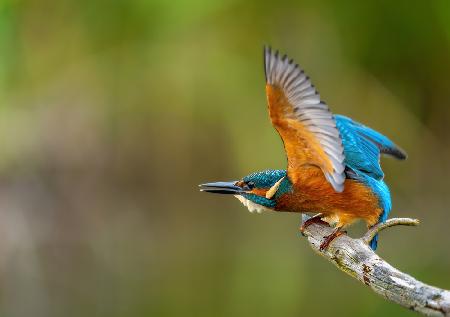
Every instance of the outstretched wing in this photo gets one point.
(305, 123)
(363, 147)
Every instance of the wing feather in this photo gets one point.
(304, 122)
(363, 147)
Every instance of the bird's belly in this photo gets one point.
(315, 195)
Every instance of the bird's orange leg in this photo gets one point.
(328, 239)
(314, 219)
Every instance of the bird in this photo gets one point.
(333, 162)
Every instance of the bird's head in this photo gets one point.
(258, 191)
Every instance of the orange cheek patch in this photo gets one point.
(259, 191)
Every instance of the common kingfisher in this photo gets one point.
(333, 162)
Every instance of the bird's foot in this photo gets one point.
(328, 239)
(314, 219)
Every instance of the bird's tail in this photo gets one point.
(383, 217)
(374, 243)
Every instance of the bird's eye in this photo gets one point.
(251, 185)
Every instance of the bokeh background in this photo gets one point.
(111, 113)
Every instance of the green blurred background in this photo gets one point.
(111, 113)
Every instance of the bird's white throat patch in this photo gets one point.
(252, 207)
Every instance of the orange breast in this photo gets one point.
(313, 194)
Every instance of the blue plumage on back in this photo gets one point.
(362, 148)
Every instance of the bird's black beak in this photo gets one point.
(221, 188)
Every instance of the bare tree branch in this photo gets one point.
(389, 223)
(356, 258)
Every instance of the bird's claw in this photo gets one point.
(328, 239)
(314, 219)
